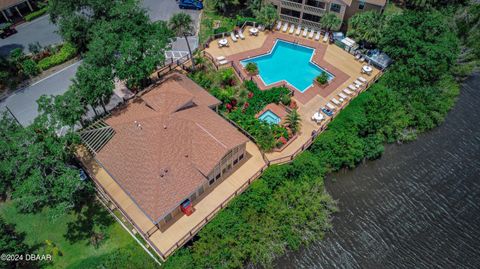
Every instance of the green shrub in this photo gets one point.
(242, 20)
(220, 30)
(67, 52)
(322, 78)
(251, 68)
(36, 14)
(30, 68)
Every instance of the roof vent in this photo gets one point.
(164, 126)
(139, 126)
(163, 172)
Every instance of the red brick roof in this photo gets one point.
(166, 142)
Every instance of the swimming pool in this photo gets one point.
(290, 62)
(269, 117)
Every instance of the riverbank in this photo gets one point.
(417, 206)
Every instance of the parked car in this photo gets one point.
(327, 111)
(190, 4)
(7, 29)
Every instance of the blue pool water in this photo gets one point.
(269, 117)
(289, 62)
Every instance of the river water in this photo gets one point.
(416, 207)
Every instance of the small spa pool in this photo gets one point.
(269, 117)
(288, 62)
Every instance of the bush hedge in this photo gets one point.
(67, 52)
(36, 14)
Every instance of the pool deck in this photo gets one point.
(278, 110)
(328, 56)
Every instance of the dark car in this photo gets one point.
(327, 111)
(190, 4)
(6, 30)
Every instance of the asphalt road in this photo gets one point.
(40, 30)
(23, 102)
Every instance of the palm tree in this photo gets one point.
(366, 26)
(182, 24)
(293, 121)
(267, 14)
(330, 21)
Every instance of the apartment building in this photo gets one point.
(309, 12)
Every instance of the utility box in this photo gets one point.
(187, 207)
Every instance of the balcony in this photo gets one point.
(314, 10)
(290, 4)
(289, 19)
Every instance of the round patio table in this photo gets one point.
(367, 69)
(223, 42)
(254, 31)
(317, 116)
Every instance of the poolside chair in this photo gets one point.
(351, 87)
(240, 34)
(220, 58)
(332, 107)
(335, 101)
(285, 27)
(292, 28)
(234, 38)
(279, 25)
(325, 38)
(299, 29)
(317, 36)
(305, 32)
(358, 56)
(347, 91)
(358, 83)
(342, 96)
(222, 62)
(362, 79)
(311, 34)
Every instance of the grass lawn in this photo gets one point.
(209, 16)
(76, 249)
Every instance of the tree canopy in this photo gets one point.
(33, 165)
(330, 22)
(366, 26)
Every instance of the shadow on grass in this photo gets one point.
(91, 220)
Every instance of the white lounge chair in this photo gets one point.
(299, 29)
(305, 32)
(220, 58)
(325, 38)
(222, 62)
(332, 107)
(234, 38)
(292, 28)
(362, 79)
(285, 27)
(279, 25)
(342, 96)
(317, 36)
(358, 83)
(352, 87)
(240, 34)
(311, 33)
(347, 91)
(335, 101)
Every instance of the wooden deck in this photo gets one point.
(168, 240)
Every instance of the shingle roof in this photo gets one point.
(165, 143)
